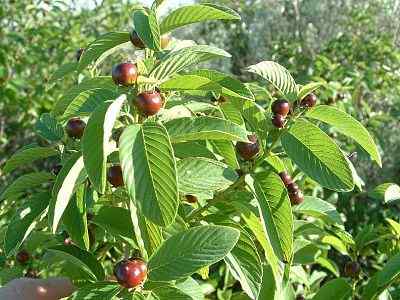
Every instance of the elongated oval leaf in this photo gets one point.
(26, 182)
(227, 150)
(80, 258)
(149, 171)
(196, 13)
(24, 221)
(318, 156)
(101, 45)
(277, 75)
(63, 71)
(199, 175)
(181, 59)
(168, 291)
(48, 128)
(186, 252)
(336, 289)
(309, 88)
(96, 140)
(70, 176)
(347, 125)
(146, 26)
(97, 291)
(204, 128)
(275, 212)
(318, 208)
(387, 192)
(28, 156)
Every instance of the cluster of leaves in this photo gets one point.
(189, 203)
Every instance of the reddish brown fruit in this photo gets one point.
(286, 178)
(165, 40)
(136, 41)
(125, 74)
(131, 273)
(23, 257)
(149, 103)
(280, 107)
(278, 121)
(296, 198)
(79, 53)
(248, 150)
(191, 198)
(309, 101)
(75, 128)
(114, 176)
(352, 269)
(293, 188)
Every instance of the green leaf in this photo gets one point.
(196, 13)
(336, 289)
(245, 265)
(179, 60)
(191, 288)
(227, 151)
(151, 234)
(104, 82)
(318, 208)
(387, 192)
(87, 101)
(28, 156)
(24, 221)
(147, 28)
(277, 75)
(199, 175)
(104, 43)
(26, 182)
(70, 176)
(308, 89)
(48, 128)
(204, 128)
(318, 156)
(149, 171)
(168, 292)
(80, 258)
(347, 125)
(96, 141)
(274, 161)
(275, 212)
(383, 278)
(62, 71)
(97, 291)
(185, 253)
(75, 220)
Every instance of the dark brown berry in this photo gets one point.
(79, 53)
(292, 188)
(114, 176)
(75, 128)
(131, 273)
(286, 178)
(280, 107)
(248, 150)
(191, 198)
(278, 121)
(309, 101)
(136, 40)
(23, 257)
(56, 169)
(296, 198)
(125, 74)
(352, 269)
(149, 103)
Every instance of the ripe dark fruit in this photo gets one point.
(114, 176)
(280, 107)
(149, 103)
(23, 257)
(352, 269)
(248, 150)
(292, 188)
(165, 40)
(191, 198)
(309, 101)
(131, 273)
(296, 198)
(286, 178)
(79, 53)
(278, 121)
(56, 169)
(136, 41)
(125, 74)
(75, 128)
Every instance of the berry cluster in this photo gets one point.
(248, 150)
(295, 194)
(131, 272)
(280, 109)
